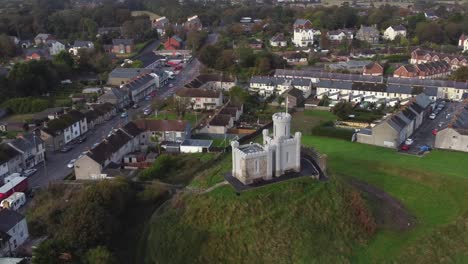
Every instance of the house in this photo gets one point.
(122, 46)
(10, 161)
(340, 35)
(120, 76)
(37, 54)
(213, 82)
(200, 99)
(352, 66)
(55, 47)
(463, 42)
(116, 97)
(99, 113)
(193, 23)
(373, 69)
(80, 44)
(296, 58)
(395, 129)
(233, 109)
(195, 145)
(13, 231)
(431, 15)
(294, 97)
(42, 38)
(141, 87)
(165, 130)
(455, 135)
(278, 40)
(419, 56)
(31, 147)
(255, 44)
(160, 24)
(368, 34)
(173, 43)
(110, 151)
(279, 154)
(60, 131)
(108, 30)
(393, 31)
(219, 124)
(428, 70)
(266, 86)
(304, 35)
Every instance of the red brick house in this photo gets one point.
(302, 24)
(122, 46)
(430, 70)
(373, 69)
(173, 43)
(419, 56)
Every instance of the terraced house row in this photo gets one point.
(419, 56)
(428, 70)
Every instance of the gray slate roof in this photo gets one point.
(8, 219)
(127, 73)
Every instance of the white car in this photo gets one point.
(432, 116)
(409, 141)
(29, 172)
(147, 112)
(71, 164)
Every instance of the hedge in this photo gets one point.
(325, 130)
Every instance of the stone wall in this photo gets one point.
(318, 158)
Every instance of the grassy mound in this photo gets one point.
(298, 221)
(432, 188)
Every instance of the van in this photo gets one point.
(14, 202)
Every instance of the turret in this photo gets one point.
(281, 125)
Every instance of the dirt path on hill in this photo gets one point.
(387, 210)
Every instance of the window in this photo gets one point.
(257, 169)
(287, 156)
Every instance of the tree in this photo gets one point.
(461, 74)
(431, 32)
(343, 110)
(195, 39)
(209, 55)
(99, 255)
(7, 47)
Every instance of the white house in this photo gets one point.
(13, 231)
(79, 44)
(463, 42)
(55, 47)
(305, 37)
(195, 145)
(340, 35)
(58, 132)
(199, 98)
(31, 147)
(266, 86)
(278, 40)
(393, 31)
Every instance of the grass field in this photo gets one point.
(191, 117)
(433, 188)
(213, 174)
(305, 121)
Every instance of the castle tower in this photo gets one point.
(281, 125)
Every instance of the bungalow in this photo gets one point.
(173, 43)
(80, 44)
(60, 131)
(110, 151)
(13, 231)
(340, 35)
(296, 58)
(278, 40)
(219, 124)
(200, 99)
(373, 69)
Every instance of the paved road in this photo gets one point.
(57, 161)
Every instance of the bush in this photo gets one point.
(163, 165)
(26, 105)
(327, 129)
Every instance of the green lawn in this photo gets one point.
(191, 117)
(433, 188)
(214, 174)
(305, 121)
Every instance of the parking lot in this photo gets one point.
(424, 135)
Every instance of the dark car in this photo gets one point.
(66, 149)
(81, 139)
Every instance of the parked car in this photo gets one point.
(147, 98)
(28, 172)
(81, 139)
(135, 106)
(432, 116)
(409, 141)
(405, 147)
(71, 164)
(124, 115)
(434, 131)
(66, 148)
(147, 112)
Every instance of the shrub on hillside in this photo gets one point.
(26, 105)
(327, 129)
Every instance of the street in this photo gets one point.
(56, 166)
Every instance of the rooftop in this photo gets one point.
(251, 148)
(8, 219)
(197, 143)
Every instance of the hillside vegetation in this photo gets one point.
(291, 222)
